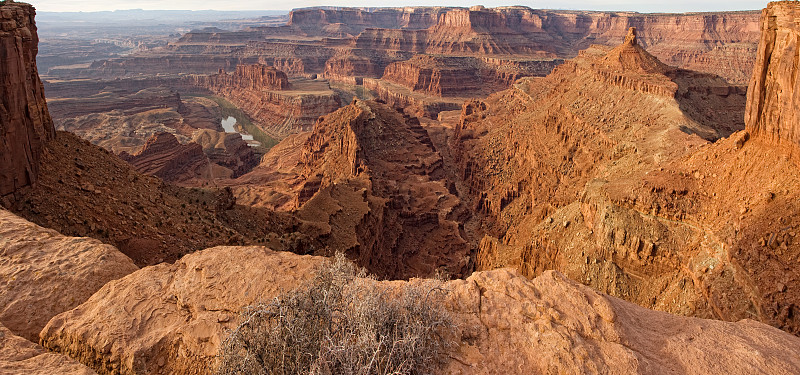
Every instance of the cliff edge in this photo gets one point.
(773, 98)
(25, 123)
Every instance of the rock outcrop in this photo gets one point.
(166, 158)
(43, 273)
(547, 162)
(248, 77)
(462, 76)
(553, 325)
(227, 150)
(505, 323)
(25, 123)
(196, 300)
(20, 356)
(86, 191)
(375, 181)
(277, 111)
(773, 98)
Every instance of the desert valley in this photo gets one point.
(410, 190)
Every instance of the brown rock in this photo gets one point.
(252, 77)
(375, 181)
(275, 107)
(43, 273)
(505, 323)
(774, 93)
(25, 123)
(171, 318)
(554, 325)
(164, 157)
(20, 356)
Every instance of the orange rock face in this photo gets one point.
(20, 356)
(25, 123)
(43, 273)
(504, 323)
(253, 77)
(548, 162)
(197, 298)
(379, 169)
(773, 106)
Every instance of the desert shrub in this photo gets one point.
(342, 322)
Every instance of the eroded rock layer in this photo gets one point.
(164, 157)
(566, 180)
(278, 111)
(372, 176)
(504, 323)
(25, 123)
(253, 77)
(773, 106)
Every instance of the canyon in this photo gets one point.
(587, 198)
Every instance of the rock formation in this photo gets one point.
(84, 190)
(547, 162)
(43, 273)
(373, 178)
(461, 76)
(773, 106)
(20, 356)
(247, 77)
(197, 299)
(505, 323)
(276, 109)
(164, 157)
(24, 121)
(227, 150)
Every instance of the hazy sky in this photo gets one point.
(641, 6)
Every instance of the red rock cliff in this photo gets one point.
(25, 123)
(254, 76)
(773, 99)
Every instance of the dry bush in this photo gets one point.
(342, 322)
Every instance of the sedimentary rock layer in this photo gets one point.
(248, 77)
(278, 112)
(534, 157)
(164, 157)
(25, 123)
(773, 98)
(463, 76)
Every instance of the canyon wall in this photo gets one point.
(252, 77)
(773, 98)
(278, 107)
(25, 123)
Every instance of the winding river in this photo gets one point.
(228, 126)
